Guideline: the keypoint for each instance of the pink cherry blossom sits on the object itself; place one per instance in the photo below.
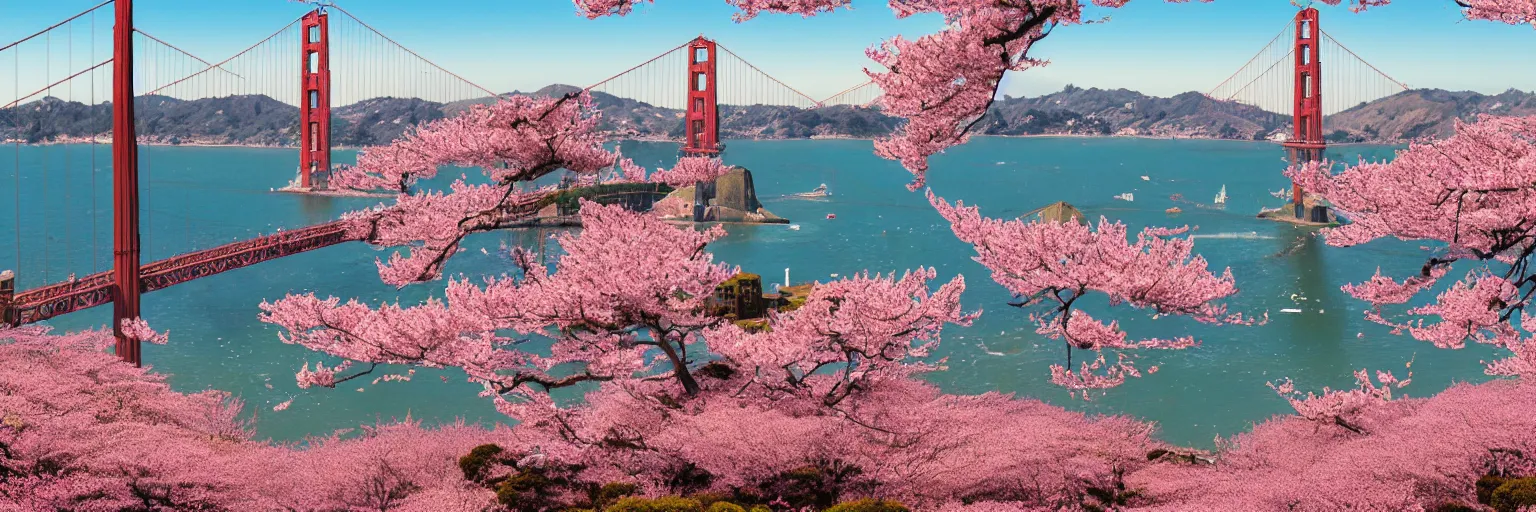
(690, 170)
(1050, 265)
(138, 329)
(1471, 192)
(748, 9)
(1514, 12)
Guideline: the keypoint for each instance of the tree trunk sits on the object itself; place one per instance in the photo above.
(678, 368)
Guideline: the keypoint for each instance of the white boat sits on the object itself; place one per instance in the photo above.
(820, 191)
(794, 227)
(1126, 197)
(1221, 197)
(1146, 178)
(1283, 193)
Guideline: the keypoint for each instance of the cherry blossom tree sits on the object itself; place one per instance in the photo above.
(625, 311)
(518, 139)
(82, 430)
(1472, 195)
(1050, 265)
(1514, 12)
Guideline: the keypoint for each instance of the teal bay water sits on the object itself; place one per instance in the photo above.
(200, 197)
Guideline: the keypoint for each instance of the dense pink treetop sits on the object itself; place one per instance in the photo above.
(623, 274)
(1050, 265)
(690, 170)
(1472, 194)
(1514, 12)
(1375, 454)
(849, 333)
(82, 430)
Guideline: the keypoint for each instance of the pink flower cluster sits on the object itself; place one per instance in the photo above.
(1473, 193)
(1049, 265)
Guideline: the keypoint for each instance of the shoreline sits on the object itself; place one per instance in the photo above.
(724, 140)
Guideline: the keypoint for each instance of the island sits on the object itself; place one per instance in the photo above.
(731, 198)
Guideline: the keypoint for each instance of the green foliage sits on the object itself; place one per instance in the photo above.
(724, 506)
(1486, 485)
(869, 505)
(819, 485)
(612, 492)
(1514, 495)
(539, 488)
(754, 325)
(740, 277)
(520, 491)
(662, 504)
(478, 461)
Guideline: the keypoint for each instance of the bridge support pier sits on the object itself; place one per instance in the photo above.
(315, 103)
(8, 297)
(125, 187)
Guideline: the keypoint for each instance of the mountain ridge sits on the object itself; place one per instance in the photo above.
(262, 121)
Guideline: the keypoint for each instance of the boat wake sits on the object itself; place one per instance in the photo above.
(1251, 235)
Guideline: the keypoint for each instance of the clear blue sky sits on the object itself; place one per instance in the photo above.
(1150, 46)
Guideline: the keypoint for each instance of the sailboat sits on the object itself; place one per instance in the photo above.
(1221, 197)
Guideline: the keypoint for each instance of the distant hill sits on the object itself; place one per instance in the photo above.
(1080, 111)
(1422, 112)
(263, 121)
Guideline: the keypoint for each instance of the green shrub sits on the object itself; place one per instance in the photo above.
(724, 506)
(479, 459)
(869, 505)
(612, 492)
(662, 504)
(1486, 485)
(760, 508)
(706, 499)
(1514, 494)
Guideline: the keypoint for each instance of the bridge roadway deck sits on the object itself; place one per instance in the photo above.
(97, 289)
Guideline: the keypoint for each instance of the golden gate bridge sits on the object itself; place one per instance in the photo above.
(330, 65)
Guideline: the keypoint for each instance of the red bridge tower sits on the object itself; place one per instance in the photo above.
(703, 120)
(315, 103)
(1306, 144)
(125, 187)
